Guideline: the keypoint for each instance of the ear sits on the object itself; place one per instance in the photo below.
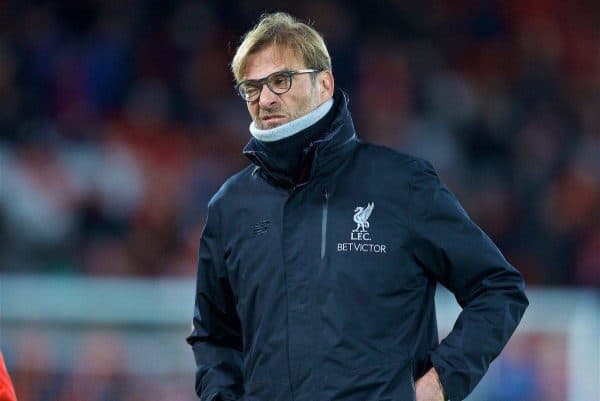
(326, 83)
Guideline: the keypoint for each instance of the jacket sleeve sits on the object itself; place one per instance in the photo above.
(216, 332)
(457, 253)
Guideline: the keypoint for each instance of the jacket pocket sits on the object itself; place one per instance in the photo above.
(385, 381)
(272, 390)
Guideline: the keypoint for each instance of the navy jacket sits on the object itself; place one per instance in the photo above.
(324, 291)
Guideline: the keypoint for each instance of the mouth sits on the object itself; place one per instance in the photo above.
(273, 118)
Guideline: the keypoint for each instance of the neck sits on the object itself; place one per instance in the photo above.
(292, 127)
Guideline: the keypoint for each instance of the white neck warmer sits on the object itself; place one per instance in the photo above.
(292, 127)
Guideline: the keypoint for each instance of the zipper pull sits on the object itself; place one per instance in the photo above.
(325, 193)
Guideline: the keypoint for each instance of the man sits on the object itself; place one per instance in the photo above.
(318, 262)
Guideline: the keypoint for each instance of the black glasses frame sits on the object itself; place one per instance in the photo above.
(260, 83)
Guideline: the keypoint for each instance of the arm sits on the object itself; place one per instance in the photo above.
(216, 337)
(450, 246)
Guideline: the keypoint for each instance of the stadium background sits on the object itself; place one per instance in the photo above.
(118, 121)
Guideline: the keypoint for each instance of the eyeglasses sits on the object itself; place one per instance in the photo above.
(278, 82)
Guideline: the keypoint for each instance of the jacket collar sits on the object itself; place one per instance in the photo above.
(321, 156)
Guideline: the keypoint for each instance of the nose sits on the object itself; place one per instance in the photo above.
(267, 97)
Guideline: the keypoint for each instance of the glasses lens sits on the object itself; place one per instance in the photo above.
(280, 82)
(248, 91)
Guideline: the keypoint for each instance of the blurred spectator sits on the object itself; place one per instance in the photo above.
(7, 392)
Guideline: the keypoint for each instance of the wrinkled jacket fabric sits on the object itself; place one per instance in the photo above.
(301, 297)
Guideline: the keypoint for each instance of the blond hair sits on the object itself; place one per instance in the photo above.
(286, 32)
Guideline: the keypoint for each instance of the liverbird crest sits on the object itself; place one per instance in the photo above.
(361, 217)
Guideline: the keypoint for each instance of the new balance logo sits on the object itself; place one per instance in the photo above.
(260, 228)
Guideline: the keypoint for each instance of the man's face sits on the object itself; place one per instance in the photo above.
(271, 110)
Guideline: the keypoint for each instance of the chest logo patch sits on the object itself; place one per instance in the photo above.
(260, 228)
(360, 238)
(361, 218)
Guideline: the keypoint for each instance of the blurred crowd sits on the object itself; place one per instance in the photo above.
(118, 121)
(534, 367)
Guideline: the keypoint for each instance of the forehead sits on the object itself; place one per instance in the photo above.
(269, 59)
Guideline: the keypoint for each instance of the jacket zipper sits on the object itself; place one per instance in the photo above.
(324, 222)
